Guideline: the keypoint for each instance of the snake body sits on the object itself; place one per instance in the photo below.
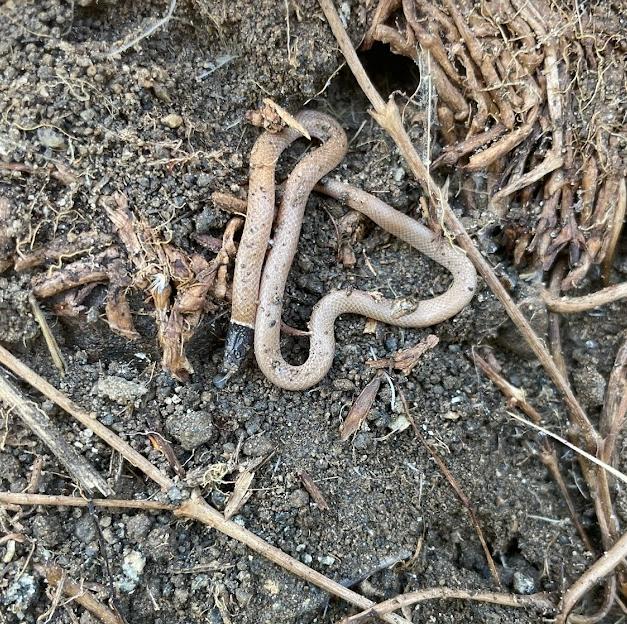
(258, 287)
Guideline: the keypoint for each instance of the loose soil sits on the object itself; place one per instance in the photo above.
(63, 102)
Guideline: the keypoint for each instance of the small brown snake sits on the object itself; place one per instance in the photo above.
(258, 287)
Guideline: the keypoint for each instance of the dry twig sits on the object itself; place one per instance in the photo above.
(573, 305)
(600, 569)
(540, 602)
(57, 577)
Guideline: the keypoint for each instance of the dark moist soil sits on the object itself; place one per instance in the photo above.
(62, 101)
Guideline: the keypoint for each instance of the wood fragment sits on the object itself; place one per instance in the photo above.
(118, 311)
(75, 274)
(453, 152)
(505, 144)
(165, 448)
(241, 493)
(41, 425)
(314, 490)
(58, 577)
(615, 228)
(63, 248)
(406, 360)
(360, 408)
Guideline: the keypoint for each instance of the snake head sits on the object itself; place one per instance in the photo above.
(239, 340)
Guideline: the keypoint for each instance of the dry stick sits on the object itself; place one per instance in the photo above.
(19, 498)
(537, 601)
(456, 487)
(572, 305)
(196, 508)
(548, 456)
(555, 337)
(610, 425)
(55, 575)
(41, 425)
(616, 227)
(609, 598)
(615, 404)
(601, 568)
(130, 454)
(388, 117)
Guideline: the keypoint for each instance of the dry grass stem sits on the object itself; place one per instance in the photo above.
(51, 342)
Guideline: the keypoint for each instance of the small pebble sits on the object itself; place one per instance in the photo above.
(119, 389)
(49, 138)
(257, 446)
(298, 498)
(523, 584)
(172, 120)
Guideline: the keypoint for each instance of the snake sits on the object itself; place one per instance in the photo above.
(260, 274)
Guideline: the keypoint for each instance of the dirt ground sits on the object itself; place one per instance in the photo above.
(112, 122)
